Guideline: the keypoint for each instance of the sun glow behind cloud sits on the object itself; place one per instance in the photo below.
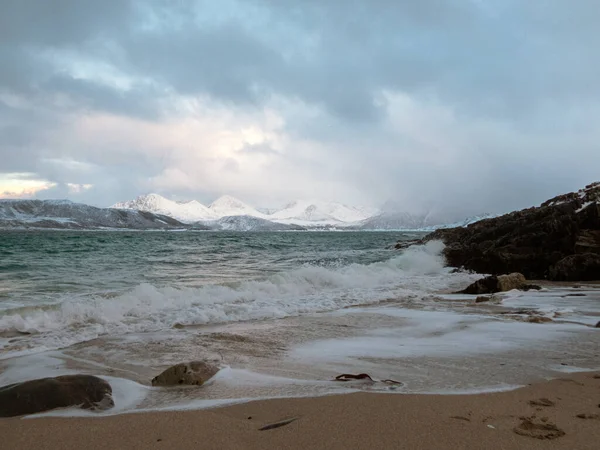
(22, 185)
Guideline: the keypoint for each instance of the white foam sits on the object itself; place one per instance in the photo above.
(431, 334)
(309, 289)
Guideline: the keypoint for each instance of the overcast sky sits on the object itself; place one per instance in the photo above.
(468, 105)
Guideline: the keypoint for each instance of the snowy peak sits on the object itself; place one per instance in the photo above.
(300, 212)
(320, 211)
(227, 205)
(186, 212)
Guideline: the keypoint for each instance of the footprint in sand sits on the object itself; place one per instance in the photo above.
(588, 416)
(541, 402)
(538, 430)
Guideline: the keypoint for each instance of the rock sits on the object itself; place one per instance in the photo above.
(588, 241)
(532, 241)
(35, 396)
(511, 281)
(597, 325)
(401, 245)
(192, 373)
(584, 266)
(538, 319)
(492, 284)
(482, 299)
(529, 287)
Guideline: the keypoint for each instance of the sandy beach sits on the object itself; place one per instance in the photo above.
(563, 413)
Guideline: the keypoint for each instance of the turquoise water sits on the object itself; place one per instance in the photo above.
(44, 266)
(64, 287)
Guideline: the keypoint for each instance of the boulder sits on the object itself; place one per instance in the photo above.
(191, 373)
(35, 396)
(492, 284)
(580, 267)
(511, 281)
(532, 241)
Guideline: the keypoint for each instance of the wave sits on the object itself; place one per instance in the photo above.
(308, 289)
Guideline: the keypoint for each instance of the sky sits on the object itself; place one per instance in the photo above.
(464, 106)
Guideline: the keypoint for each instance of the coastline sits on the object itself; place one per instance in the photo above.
(532, 417)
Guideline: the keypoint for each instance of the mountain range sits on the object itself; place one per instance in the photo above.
(300, 213)
(68, 215)
(154, 211)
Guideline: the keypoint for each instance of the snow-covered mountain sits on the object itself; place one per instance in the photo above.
(230, 213)
(226, 206)
(66, 214)
(187, 212)
(417, 222)
(301, 212)
(304, 212)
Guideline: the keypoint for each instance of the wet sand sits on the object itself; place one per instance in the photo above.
(560, 414)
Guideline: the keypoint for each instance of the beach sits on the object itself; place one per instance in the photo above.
(280, 316)
(541, 416)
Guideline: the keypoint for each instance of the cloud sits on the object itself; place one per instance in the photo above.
(22, 185)
(460, 106)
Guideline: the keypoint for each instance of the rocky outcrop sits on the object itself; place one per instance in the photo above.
(559, 240)
(35, 396)
(577, 267)
(192, 373)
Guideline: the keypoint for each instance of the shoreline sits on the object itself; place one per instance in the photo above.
(541, 415)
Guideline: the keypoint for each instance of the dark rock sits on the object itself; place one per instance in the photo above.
(482, 299)
(597, 325)
(192, 373)
(532, 241)
(538, 319)
(584, 266)
(529, 287)
(35, 396)
(502, 283)
(401, 245)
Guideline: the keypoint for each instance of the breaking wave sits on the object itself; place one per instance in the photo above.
(308, 289)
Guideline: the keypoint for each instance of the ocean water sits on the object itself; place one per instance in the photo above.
(282, 313)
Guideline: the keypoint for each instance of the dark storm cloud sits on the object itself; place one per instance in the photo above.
(61, 22)
(500, 92)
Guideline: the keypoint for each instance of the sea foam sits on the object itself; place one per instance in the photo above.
(308, 289)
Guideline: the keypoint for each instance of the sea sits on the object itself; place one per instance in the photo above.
(282, 313)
